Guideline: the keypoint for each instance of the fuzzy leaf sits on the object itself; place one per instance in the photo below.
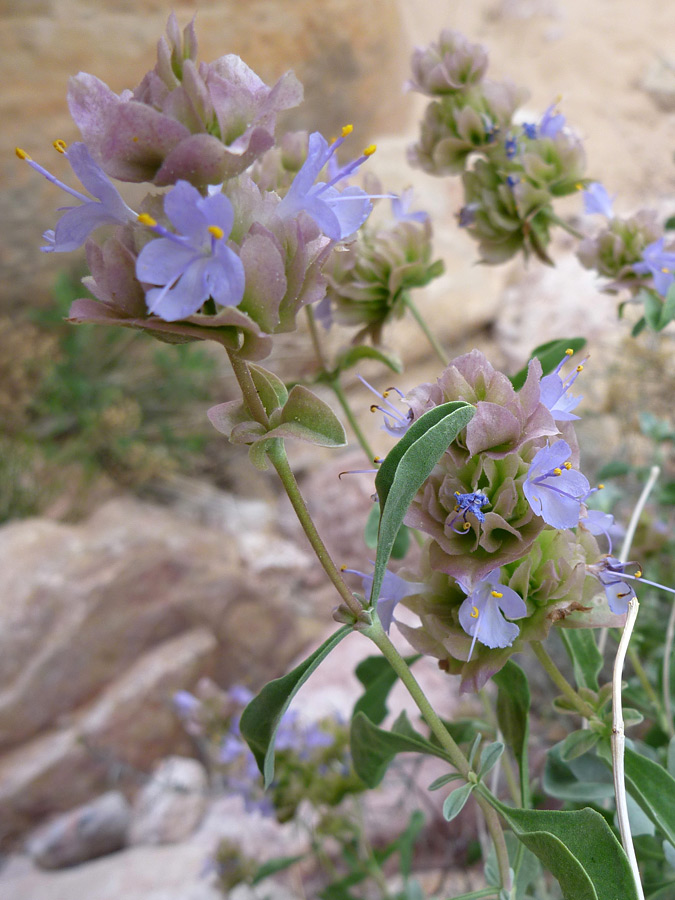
(653, 788)
(578, 743)
(489, 756)
(272, 866)
(513, 715)
(401, 542)
(579, 849)
(261, 718)
(351, 357)
(586, 658)
(377, 676)
(454, 802)
(271, 389)
(407, 466)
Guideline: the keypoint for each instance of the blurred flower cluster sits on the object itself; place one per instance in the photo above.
(234, 248)
(512, 170)
(312, 758)
(509, 533)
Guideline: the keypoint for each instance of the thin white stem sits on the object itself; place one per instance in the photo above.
(618, 734)
(667, 654)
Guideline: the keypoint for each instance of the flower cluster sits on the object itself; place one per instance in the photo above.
(511, 546)
(226, 253)
(312, 759)
(511, 171)
(369, 282)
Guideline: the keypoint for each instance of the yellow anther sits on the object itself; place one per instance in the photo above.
(466, 526)
(385, 394)
(456, 509)
(625, 594)
(580, 368)
(377, 460)
(579, 186)
(569, 352)
(145, 219)
(347, 129)
(373, 407)
(557, 471)
(601, 487)
(217, 232)
(59, 145)
(496, 594)
(638, 574)
(370, 149)
(457, 494)
(22, 153)
(568, 466)
(342, 568)
(135, 140)
(474, 612)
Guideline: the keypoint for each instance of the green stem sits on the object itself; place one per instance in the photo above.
(377, 635)
(643, 678)
(316, 340)
(278, 458)
(570, 229)
(438, 350)
(248, 390)
(563, 685)
(336, 387)
(478, 895)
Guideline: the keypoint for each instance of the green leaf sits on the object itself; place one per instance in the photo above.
(577, 743)
(489, 756)
(261, 718)
(667, 493)
(401, 542)
(270, 388)
(272, 866)
(639, 327)
(306, 417)
(407, 465)
(443, 780)
(614, 469)
(549, 355)
(354, 355)
(374, 748)
(668, 310)
(406, 842)
(651, 303)
(579, 849)
(513, 716)
(581, 780)
(454, 802)
(586, 658)
(377, 676)
(653, 788)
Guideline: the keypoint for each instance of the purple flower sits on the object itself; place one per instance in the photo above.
(78, 222)
(553, 390)
(395, 422)
(551, 122)
(194, 264)
(337, 213)
(659, 263)
(553, 489)
(185, 703)
(480, 615)
(240, 695)
(393, 590)
(468, 503)
(597, 200)
(609, 572)
(400, 207)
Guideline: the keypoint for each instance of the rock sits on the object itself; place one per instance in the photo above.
(119, 735)
(79, 604)
(659, 83)
(92, 830)
(171, 805)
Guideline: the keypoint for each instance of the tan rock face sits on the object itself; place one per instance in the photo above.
(350, 56)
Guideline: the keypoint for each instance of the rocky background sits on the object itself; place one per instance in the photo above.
(110, 604)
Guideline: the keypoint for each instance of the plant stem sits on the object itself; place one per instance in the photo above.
(618, 734)
(278, 458)
(316, 340)
(336, 387)
(478, 895)
(438, 350)
(376, 633)
(570, 229)
(248, 390)
(563, 685)
(667, 654)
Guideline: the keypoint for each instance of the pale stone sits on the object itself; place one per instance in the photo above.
(171, 805)
(83, 833)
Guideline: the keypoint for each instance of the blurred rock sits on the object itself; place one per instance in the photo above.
(92, 830)
(171, 805)
(659, 83)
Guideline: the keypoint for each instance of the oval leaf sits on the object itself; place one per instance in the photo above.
(513, 716)
(653, 788)
(407, 465)
(270, 388)
(261, 718)
(578, 848)
(309, 418)
(586, 658)
(454, 802)
(354, 355)
(489, 756)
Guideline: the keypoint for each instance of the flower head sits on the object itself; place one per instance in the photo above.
(481, 615)
(78, 222)
(473, 503)
(597, 200)
(553, 489)
(194, 263)
(337, 213)
(658, 263)
(553, 391)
